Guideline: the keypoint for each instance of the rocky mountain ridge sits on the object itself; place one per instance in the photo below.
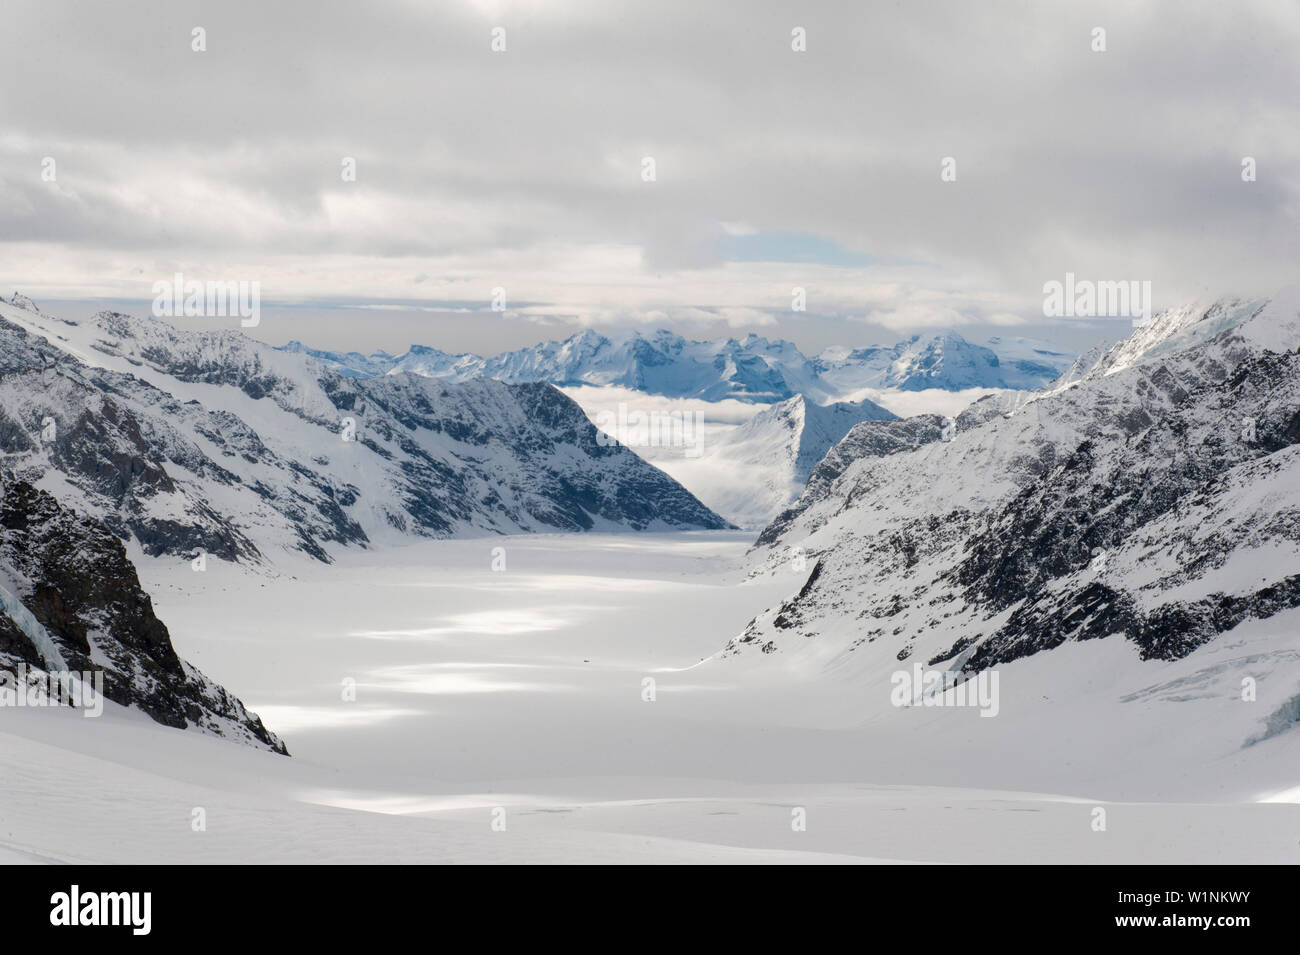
(1150, 497)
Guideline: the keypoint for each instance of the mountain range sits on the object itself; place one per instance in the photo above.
(189, 441)
(1145, 492)
(1149, 496)
(752, 369)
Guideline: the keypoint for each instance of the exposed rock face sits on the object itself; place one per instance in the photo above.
(74, 577)
(215, 442)
(1176, 475)
(1151, 496)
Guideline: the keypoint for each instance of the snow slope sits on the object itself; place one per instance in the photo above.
(770, 457)
(744, 461)
(531, 704)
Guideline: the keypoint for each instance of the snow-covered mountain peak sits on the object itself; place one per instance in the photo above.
(776, 450)
(1275, 326)
(19, 300)
(1176, 329)
(348, 364)
(213, 441)
(944, 360)
(752, 368)
(1152, 500)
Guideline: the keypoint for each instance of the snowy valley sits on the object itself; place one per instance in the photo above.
(464, 613)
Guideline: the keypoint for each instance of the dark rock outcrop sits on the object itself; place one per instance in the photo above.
(74, 577)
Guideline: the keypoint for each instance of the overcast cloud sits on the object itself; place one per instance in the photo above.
(522, 169)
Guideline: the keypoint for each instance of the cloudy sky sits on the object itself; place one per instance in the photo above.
(523, 169)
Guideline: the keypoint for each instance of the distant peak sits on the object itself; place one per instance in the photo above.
(20, 300)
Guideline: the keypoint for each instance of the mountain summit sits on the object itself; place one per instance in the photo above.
(214, 442)
(1149, 497)
(751, 369)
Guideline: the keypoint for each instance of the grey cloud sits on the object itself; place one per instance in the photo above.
(1120, 162)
